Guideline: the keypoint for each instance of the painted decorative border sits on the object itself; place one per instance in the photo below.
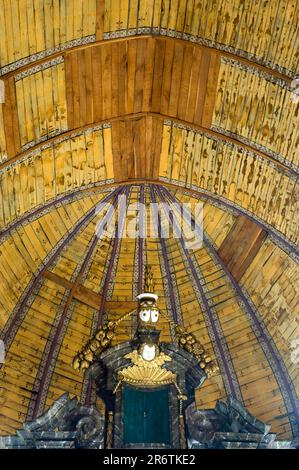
(48, 52)
(39, 68)
(169, 280)
(256, 71)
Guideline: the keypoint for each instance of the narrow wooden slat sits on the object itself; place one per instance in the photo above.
(10, 118)
(158, 74)
(100, 15)
(202, 86)
(97, 86)
(116, 151)
(89, 86)
(211, 91)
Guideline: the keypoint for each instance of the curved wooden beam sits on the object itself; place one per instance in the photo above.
(32, 152)
(230, 55)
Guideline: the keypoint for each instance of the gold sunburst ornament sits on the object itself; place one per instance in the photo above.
(146, 373)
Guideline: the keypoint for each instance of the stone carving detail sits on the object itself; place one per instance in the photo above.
(67, 424)
(228, 425)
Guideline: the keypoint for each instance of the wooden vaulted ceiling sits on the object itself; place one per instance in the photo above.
(190, 100)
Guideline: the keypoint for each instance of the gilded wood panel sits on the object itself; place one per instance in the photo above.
(196, 160)
(258, 112)
(263, 31)
(63, 165)
(41, 103)
(38, 28)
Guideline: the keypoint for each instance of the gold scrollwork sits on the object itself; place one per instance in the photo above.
(97, 344)
(188, 342)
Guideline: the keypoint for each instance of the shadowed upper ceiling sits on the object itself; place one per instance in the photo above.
(162, 101)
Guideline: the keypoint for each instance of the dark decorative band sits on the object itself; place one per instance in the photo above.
(167, 273)
(256, 71)
(39, 68)
(43, 54)
(87, 388)
(116, 251)
(140, 254)
(41, 385)
(56, 336)
(210, 315)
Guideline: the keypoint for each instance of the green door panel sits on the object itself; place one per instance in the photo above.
(146, 415)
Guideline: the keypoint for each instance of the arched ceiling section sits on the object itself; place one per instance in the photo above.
(254, 30)
(64, 305)
(157, 100)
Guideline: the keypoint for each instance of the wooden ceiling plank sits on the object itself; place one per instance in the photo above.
(202, 86)
(76, 89)
(167, 76)
(97, 86)
(131, 65)
(100, 15)
(69, 90)
(82, 69)
(185, 81)
(240, 247)
(122, 78)
(89, 86)
(211, 90)
(139, 76)
(193, 84)
(148, 74)
(176, 76)
(10, 118)
(115, 84)
(106, 81)
(158, 74)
